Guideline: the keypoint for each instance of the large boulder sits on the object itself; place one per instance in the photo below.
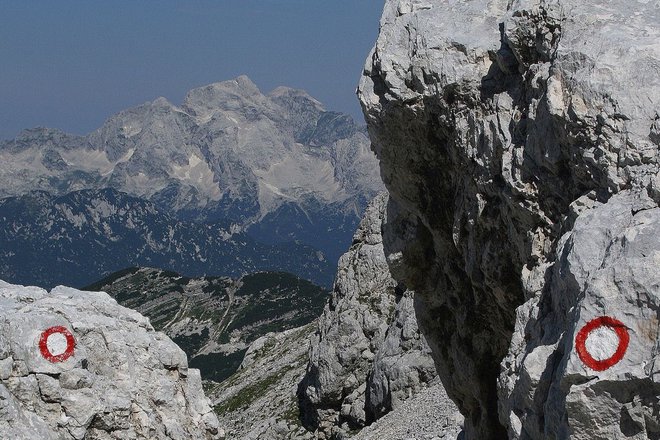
(519, 143)
(76, 365)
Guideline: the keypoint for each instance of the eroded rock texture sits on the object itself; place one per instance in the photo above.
(367, 356)
(519, 143)
(115, 378)
(607, 265)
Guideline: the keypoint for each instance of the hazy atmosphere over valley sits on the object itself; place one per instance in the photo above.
(306, 220)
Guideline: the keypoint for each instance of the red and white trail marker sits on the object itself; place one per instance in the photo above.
(602, 343)
(57, 344)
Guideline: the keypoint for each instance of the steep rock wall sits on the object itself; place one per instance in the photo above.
(367, 356)
(504, 130)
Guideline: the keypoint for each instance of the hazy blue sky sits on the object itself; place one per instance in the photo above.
(71, 64)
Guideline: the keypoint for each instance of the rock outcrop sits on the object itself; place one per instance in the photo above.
(76, 365)
(552, 384)
(367, 356)
(519, 143)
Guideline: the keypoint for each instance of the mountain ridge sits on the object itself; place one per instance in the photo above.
(214, 123)
(276, 166)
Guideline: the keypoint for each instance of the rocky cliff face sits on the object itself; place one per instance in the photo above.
(76, 365)
(367, 356)
(519, 143)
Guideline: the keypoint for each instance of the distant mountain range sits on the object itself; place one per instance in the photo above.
(77, 238)
(230, 181)
(278, 165)
(214, 319)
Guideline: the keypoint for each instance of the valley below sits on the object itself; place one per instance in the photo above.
(215, 319)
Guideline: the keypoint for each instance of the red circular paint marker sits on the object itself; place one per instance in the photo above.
(61, 353)
(606, 322)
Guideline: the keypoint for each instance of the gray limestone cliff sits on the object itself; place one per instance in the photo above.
(367, 356)
(518, 140)
(75, 365)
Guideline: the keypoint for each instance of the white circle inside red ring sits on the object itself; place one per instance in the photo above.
(591, 339)
(602, 343)
(57, 344)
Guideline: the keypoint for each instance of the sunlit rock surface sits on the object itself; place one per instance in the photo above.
(75, 365)
(519, 143)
